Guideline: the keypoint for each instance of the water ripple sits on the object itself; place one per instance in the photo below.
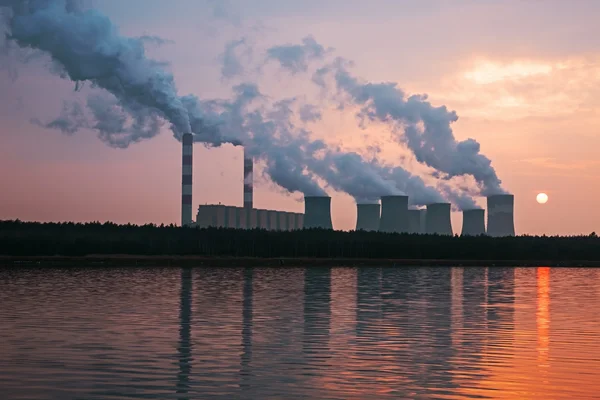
(294, 333)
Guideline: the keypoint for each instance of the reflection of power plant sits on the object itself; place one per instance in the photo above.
(184, 347)
(412, 330)
(247, 321)
(317, 316)
(392, 216)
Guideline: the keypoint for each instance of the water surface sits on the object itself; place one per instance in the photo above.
(320, 333)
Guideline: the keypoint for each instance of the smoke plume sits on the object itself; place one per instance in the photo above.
(85, 46)
(138, 95)
(296, 57)
(425, 129)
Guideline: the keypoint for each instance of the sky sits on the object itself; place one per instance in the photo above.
(522, 76)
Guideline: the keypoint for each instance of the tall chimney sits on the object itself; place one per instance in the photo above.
(186, 179)
(473, 222)
(501, 215)
(248, 181)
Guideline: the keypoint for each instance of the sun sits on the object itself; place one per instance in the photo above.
(542, 198)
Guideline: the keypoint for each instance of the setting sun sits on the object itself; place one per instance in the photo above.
(542, 198)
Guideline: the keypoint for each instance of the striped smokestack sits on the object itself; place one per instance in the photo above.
(248, 181)
(186, 179)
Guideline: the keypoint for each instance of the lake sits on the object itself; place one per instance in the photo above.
(299, 333)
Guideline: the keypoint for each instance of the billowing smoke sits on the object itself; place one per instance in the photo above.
(296, 57)
(294, 160)
(139, 95)
(85, 46)
(425, 129)
(116, 126)
(230, 59)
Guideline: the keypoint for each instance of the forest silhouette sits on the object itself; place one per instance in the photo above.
(76, 239)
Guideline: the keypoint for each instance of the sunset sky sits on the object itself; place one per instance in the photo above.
(523, 77)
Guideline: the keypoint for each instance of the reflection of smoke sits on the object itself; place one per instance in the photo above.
(185, 346)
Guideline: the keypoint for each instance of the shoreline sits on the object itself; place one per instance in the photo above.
(116, 260)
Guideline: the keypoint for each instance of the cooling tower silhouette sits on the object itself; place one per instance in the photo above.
(317, 212)
(394, 214)
(501, 215)
(438, 219)
(473, 223)
(367, 217)
(414, 221)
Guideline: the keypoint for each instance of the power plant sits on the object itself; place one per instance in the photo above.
(501, 215)
(392, 215)
(437, 220)
(367, 217)
(473, 222)
(317, 212)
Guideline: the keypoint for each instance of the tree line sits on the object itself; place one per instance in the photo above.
(76, 239)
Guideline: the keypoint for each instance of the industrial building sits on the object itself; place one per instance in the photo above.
(501, 215)
(437, 220)
(367, 217)
(222, 216)
(414, 221)
(473, 222)
(317, 212)
(392, 216)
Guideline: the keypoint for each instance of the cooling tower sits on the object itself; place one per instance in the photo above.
(473, 223)
(438, 219)
(367, 217)
(186, 179)
(248, 181)
(317, 212)
(423, 220)
(394, 214)
(501, 215)
(414, 221)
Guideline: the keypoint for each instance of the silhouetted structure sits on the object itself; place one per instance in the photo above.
(501, 215)
(69, 239)
(394, 214)
(473, 222)
(317, 212)
(367, 217)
